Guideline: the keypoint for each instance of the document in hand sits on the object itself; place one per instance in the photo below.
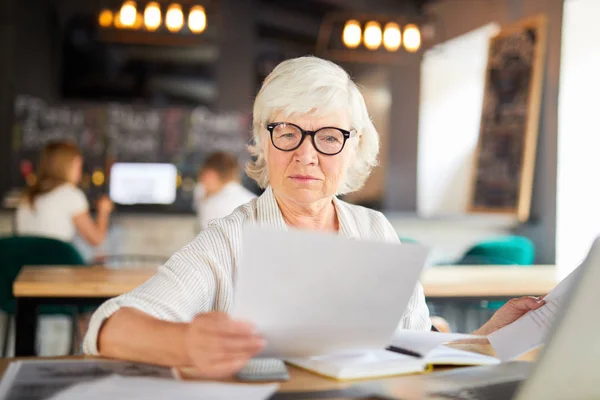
(531, 329)
(312, 294)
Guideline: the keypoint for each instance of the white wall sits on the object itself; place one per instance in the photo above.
(452, 86)
(578, 186)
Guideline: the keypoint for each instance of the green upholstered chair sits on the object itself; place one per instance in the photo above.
(18, 251)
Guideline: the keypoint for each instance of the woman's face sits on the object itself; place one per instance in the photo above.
(304, 175)
(74, 174)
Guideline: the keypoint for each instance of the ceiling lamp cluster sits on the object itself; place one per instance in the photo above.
(152, 18)
(372, 37)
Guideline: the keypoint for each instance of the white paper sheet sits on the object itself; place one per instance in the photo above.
(531, 330)
(117, 387)
(313, 293)
(423, 342)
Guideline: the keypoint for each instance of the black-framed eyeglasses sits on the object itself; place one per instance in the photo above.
(328, 140)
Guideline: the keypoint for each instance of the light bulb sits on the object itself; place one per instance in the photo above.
(372, 35)
(174, 18)
(412, 38)
(197, 19)
(392, 38)
(351, 34)
(105, 19)
(128, 14)
(152, 16)
(98, 178)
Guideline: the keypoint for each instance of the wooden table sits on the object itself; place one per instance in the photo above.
(487, 281)
(62, 285)
(36, 286)
(314, 386)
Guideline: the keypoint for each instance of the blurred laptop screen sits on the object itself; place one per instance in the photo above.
(143, 183)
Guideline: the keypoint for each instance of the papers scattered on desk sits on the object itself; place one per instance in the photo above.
(41, 379)
(313, 293)
(118, 387)
(531, 330)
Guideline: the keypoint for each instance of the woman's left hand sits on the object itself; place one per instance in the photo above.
(510, 312)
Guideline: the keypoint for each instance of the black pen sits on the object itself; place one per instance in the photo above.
(404, 351)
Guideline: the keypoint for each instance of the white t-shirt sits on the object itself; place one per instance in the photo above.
(52, 214)
(223, 203)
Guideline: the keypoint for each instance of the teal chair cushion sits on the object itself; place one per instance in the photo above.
(507, 250)
(18, 251)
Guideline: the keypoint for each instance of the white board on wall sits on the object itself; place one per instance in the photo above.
(578, 188)
(452, 86)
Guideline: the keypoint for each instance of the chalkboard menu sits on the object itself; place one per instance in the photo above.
(505, 156)
(108, 133)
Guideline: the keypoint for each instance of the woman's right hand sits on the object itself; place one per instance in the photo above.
(104, 205)
(218, 346)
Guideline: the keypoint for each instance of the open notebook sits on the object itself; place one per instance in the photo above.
(380, 363)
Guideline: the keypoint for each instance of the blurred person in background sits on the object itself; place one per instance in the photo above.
(219, 190)
(54, 206)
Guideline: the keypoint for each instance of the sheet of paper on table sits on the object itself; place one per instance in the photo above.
(124, 388)
(40, 379)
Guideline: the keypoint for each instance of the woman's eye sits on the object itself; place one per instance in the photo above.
(330, 139)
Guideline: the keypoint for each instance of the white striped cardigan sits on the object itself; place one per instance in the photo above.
(198, 278)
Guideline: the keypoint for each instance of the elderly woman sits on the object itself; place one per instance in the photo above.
(313, 140)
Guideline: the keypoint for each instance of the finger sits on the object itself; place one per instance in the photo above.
(217, 348)
(234, 356)
(252, 345)
(527, 303)
(226, 326)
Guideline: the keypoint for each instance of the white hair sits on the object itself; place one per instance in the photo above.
(311, 85)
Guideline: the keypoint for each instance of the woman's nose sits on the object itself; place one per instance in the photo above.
(306, 153)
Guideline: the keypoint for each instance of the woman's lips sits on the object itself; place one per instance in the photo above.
(303, 178)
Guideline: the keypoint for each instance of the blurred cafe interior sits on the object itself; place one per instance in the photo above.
(484, 108)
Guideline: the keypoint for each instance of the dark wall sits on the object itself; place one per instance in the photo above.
(37, 50)
(7, 27)
(7, 42)
(29, 53)
(236, 74)
(401, 179)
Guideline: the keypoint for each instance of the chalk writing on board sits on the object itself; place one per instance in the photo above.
(113, 132)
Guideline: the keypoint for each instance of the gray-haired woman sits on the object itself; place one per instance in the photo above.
(313, 140)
